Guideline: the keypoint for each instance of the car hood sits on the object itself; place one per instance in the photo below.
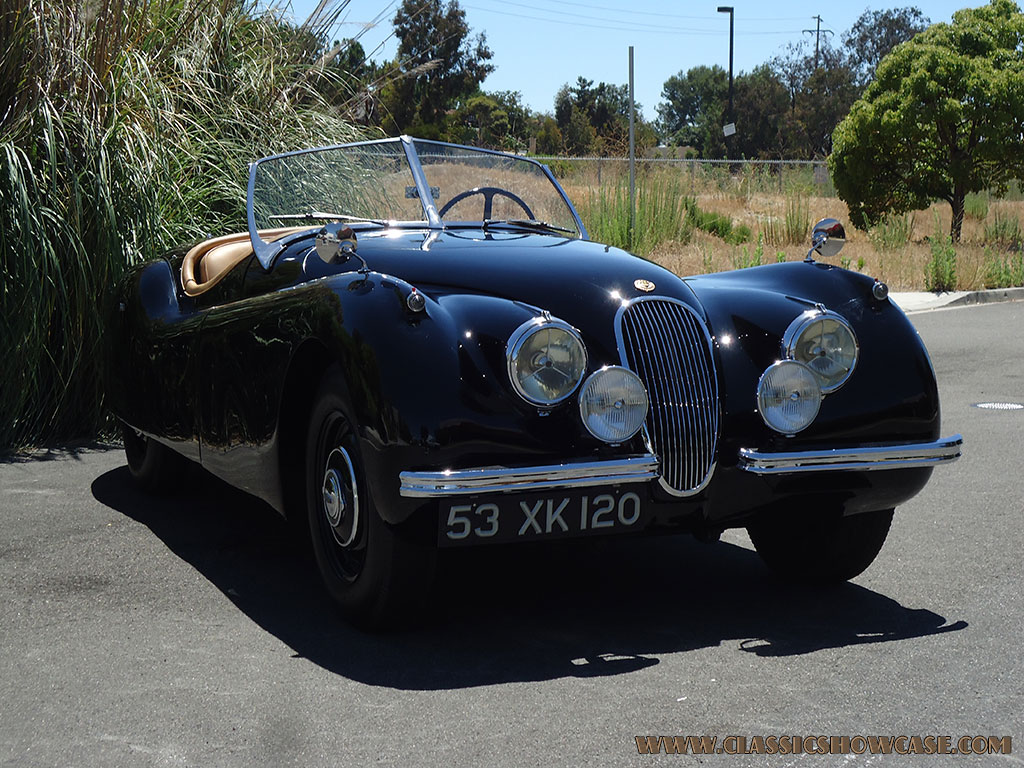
(561, 275)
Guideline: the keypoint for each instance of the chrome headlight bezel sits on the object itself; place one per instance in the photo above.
(517, 341)
(585, 413)
(791, 341)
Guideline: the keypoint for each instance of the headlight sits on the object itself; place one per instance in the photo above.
(788, 396)
(546, 361)
(613, 404)
(824, 341)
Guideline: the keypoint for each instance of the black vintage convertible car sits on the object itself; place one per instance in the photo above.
(415, 345)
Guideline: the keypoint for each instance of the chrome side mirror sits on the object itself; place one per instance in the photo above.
(335, 243)
(827, 239)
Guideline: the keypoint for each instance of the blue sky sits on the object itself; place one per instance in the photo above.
(539, 45)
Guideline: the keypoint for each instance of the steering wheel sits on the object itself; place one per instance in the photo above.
(489, 194)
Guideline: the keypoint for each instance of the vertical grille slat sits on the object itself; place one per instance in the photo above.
(671, 417)
(685, 417)
(697, 405)
(683, 404)
(668, 347)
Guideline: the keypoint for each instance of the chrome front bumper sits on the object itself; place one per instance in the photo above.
(463, 482)
(858, 459)
(639, 469)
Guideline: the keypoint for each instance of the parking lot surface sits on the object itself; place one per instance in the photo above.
(190, 631)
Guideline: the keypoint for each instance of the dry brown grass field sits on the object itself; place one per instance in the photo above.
(902, 268)
(760, 199)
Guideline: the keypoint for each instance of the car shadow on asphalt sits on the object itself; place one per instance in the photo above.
(515, 613)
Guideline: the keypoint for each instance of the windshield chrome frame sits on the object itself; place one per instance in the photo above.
(266, 252)
(422, 187)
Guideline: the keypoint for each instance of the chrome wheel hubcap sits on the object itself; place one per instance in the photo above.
(334, 501)
(340, 497)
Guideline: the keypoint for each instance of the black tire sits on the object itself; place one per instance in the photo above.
(155, 467)
(376, 575)
(818, 547)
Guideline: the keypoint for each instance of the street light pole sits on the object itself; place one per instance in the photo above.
(729, 9)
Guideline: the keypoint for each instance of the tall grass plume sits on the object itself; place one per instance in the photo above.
(127, 130)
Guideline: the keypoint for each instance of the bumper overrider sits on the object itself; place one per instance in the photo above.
(638, 469)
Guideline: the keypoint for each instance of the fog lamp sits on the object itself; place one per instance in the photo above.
(788, 396)
(613, 404)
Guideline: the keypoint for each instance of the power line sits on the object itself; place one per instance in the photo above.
(634, 12)
(618, 24)
(619, 19)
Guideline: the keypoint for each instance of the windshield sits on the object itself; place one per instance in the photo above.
(380, 183)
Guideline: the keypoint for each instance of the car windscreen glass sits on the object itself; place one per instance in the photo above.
(364, 181)
(473, 186)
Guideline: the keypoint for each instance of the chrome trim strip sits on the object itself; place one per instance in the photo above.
(463, 482)
(860, 459)
(422, 185)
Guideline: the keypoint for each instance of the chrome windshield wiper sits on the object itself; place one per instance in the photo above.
(528, 224)
(332, 216)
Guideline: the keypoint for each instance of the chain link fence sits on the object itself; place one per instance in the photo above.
(699, 177)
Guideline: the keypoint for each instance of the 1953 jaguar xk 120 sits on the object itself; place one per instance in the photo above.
(416, 346)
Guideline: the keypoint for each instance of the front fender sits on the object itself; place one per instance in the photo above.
(431, 392)
(890, 398)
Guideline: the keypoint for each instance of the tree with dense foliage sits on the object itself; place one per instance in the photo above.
(875, 33)
(479, 121)
(944, 117)
(549, 137)
(693, 107)
(595, 119)
(823, 87)
(442, 62)
(766, 124)
(520, 118)
(579, 135)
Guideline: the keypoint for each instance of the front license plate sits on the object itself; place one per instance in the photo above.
(532, 518)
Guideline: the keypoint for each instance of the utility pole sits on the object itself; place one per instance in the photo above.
(730, 128)
(632, 153)
(817, 37)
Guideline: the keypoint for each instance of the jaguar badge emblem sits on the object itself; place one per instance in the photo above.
(643, 285)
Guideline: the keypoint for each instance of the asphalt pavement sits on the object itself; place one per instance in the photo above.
(188, 631)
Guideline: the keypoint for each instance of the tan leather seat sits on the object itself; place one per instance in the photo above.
(208, 263)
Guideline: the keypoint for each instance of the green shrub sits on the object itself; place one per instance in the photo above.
(744, 259)
(892, 232)
(1004, 230)
(976, 206)
(716, 224)
(1005, 271)
(561, 167)
(940, 271)
(739, 234)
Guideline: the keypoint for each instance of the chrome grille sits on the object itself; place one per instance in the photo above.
(667, 345)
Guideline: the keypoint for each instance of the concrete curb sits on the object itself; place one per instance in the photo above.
(988, 297)
(923, 302)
